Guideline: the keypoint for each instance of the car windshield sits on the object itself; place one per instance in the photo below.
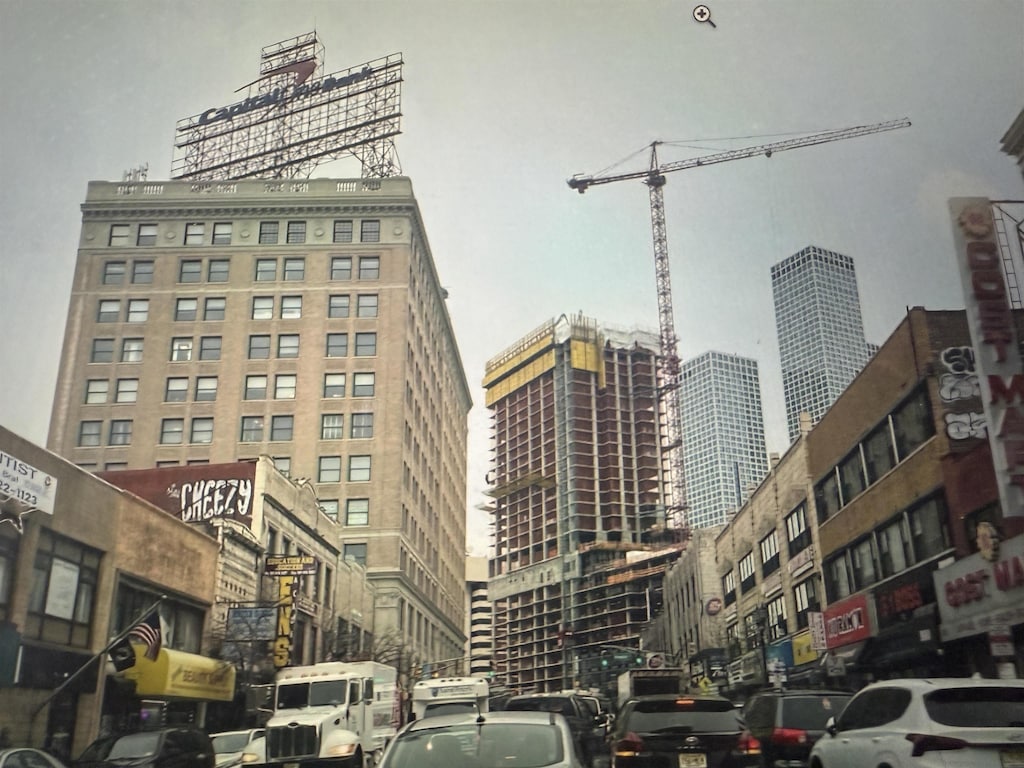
(810, 713)
(510, 745)
(681, 715)
(135, 745)
(298, 695)
(450, 708)
(230, 742)
(977, 707)
(541, 704)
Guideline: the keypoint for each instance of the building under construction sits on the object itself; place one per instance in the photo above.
(578, 477)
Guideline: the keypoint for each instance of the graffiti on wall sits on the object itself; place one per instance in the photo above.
(204, 499)
(957, 383)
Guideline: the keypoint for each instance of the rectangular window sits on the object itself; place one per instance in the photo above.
(777, 625)
(283, 464)
(266, 270)
(89, 433)
(356, 553)
(343, 230)
(119, 234)
(291, 307)
(217, 270)
(826, 496)
(206, 388)
(121, 432)
(769, 554)
(747, 572)
(131, 350)
(337, 344)
(109, 311)
(102, 351)
(862, 557)
(341, 268)
(113, 272)
(62, 593)
(176, 390)
(295, 269)
(797, 532)
(195, 234)
(186, 309)
(288, 345)
(337, 306)
(262, 307)
(181, 349)
(284, 386)
(96, 391)
(366, 344)
(837, 577)
(190, 271)
(127, 391)
(147, 234)
(259, 347)
(357, 512)
(172, 432)
(332, 426)
(296, 232)
(209, 347)
(929, 531)
(912, 424)
(894, 555)
(358, 469)
(369, 267)
(334, 385)
(268, 232)
(851, 476)
(878, 453)
(363, 385)
(142, 272)
(362, 425)
(281, 427)
(330, 508)
(252, 429)
(805, 597)
(138, 310)
(369, 231)
(366, 305)
(214, 308)
(222, 233)
(256, 387)
(202, 431)
(329, 469)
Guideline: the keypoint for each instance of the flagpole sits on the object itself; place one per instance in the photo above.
(121, 636)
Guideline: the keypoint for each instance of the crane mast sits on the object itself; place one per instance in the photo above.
(654, 178)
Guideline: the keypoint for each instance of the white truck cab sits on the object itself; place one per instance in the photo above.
(335, 712)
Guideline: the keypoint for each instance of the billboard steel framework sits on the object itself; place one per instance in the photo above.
(294, 118)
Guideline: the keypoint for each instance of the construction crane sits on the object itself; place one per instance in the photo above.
(654, 178)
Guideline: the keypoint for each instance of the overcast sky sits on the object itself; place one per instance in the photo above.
(502, 102)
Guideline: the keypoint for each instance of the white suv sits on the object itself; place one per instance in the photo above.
(929, 723)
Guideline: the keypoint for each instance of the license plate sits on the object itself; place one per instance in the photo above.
(291, 765)
(693, 761)
(1012, 758)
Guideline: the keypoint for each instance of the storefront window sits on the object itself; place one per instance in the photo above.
(928, 530)
(63, 588)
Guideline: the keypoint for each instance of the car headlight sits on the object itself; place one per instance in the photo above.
(249, 757)
(341, 750)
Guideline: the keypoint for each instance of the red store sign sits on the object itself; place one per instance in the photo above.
(847, 622)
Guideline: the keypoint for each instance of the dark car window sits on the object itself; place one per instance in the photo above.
(681, 715)
(983, 707)
(873, 708)
(760, 712)
(542, 704)
(135, 745)
(810, 713)
(510, 745)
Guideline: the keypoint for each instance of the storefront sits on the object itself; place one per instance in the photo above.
(907, 641)
(806, 670)
(847, 630)
(981, 610)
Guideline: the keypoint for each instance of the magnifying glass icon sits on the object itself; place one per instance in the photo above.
(703, 14)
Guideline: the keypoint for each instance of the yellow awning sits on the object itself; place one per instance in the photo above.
(176, 674)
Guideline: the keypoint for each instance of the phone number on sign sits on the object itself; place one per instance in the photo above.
(19, 493)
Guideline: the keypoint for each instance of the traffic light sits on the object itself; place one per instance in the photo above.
(640, 660)
(604, 659)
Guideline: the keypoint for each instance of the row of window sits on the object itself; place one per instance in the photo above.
(184, 349)
(221, 233)
(218, 270)
(892, 440)
(215, 307)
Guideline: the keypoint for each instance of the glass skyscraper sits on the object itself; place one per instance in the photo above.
(723, 435)
(820, 329)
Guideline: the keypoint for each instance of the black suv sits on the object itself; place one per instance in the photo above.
(788, 722)
(181, 747)
(587, 726)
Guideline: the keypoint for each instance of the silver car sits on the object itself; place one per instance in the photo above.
(506, 739)
(927, 723)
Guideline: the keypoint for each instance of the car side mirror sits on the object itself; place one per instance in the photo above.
(830, 726)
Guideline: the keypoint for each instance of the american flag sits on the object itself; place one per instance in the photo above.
(148, 633)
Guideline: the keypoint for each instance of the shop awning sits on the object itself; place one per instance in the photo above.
(180, 675)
